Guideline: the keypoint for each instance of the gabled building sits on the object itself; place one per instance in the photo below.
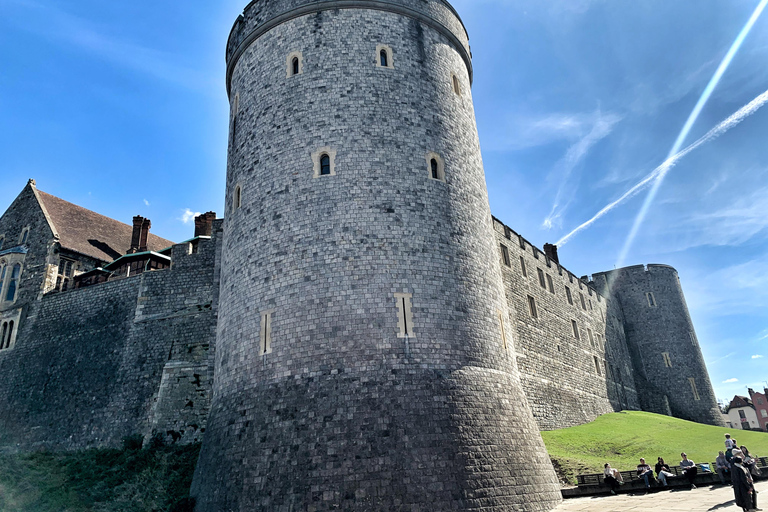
(742, 415)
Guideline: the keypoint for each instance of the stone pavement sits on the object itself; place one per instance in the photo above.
(704, 499)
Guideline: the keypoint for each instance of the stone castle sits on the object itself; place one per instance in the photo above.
(358, 332)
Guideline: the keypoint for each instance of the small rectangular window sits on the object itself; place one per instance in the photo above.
(693, 389)
(763, 413)
(505, 255)
(597, 365)
(667, 360)
(503, 330)
(568, 294)
(404, 315)
(590, 305)
(522, 267)
(551, 284)
(532, 307)
(542, 283)
(575, 327)
(651, 300)
(266, 332)
(591, 338)
(742, 414)
(583, 303)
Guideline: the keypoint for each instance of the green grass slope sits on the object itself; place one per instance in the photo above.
(622, 438)
(128, 480)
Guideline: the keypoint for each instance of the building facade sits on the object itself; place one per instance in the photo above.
(358, 332)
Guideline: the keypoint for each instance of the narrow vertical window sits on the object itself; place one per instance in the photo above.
(404, 315)
(532, 307)
(456, 85)
(575, 328)
(667, 360)
(2, 241)
(64, 274)
(383, 58)
(569, 296)
(13, 283)
(24, 236)
(542, 282)
(551, 284)
(583, 303)
(3, 268)
(597, 365)
(294, 64)
(591, 338)
(10, 334)
(237, 199)
(505, 255)
(693, 389)
(651, 300)
(2, 337)
(436, 167)
(266, 332)
(522, 267)
(503, 330)
(325, 165)
(590, 305)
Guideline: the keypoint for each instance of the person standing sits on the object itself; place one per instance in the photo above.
(613, 478)
(663, 472)
(689, 469)
(730, 444)
(743, 487)
(723, 467)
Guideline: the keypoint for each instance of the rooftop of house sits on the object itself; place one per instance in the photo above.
(90, 233)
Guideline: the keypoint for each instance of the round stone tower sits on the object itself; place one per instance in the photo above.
(364, 355)
(664, 346)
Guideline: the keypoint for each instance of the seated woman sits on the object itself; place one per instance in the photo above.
(663, 472)
(749, 462)
(613, 478)
(689, 469)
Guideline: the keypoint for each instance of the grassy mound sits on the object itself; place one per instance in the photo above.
(622, 438)
(127, 480)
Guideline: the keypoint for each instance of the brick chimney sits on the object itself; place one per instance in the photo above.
(140, 234)
(204, 224)
(551, 252)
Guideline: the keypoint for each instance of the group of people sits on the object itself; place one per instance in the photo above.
(735, 462)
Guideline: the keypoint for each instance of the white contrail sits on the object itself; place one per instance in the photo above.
(669, 163)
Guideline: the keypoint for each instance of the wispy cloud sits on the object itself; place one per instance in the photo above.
(61, 26)
(146, 202)
(188, 216)
(730, 381)
(602, 126)
(757, 357)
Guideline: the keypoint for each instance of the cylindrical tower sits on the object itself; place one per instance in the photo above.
(364, 356)
(660, 333)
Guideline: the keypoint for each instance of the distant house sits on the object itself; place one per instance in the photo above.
(742, 414)
(760, 403)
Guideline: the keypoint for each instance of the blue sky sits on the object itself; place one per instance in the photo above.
(120, 107)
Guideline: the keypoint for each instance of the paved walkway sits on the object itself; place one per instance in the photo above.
(703, 499)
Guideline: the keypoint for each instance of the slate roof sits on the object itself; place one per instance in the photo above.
(90, 233)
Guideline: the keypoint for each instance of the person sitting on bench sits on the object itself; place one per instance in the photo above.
(689, 469)
(646, 472)
(663, 472)
(723, 468)
(613, 478)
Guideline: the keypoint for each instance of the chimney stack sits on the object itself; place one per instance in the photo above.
(140, 234)
(551, 251)
(204, 224)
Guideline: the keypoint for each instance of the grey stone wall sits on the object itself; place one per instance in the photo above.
(663, 326)
(567, 381)
(343, 414)
(93, 365)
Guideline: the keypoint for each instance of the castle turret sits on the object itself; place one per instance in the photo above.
(364, 355)
(671, 373)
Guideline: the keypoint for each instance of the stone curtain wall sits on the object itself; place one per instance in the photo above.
(559, 374)
(88, 364)
(344, 413)
(660, 327)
